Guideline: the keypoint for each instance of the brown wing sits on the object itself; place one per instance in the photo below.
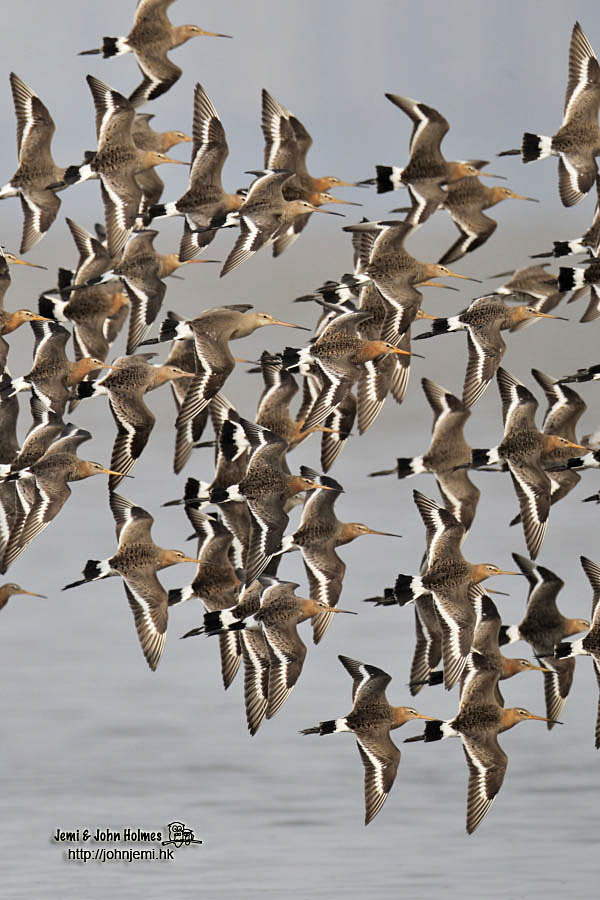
(210, 148)
(148, 602)
(485, 355)
(368, 682)
(583, 85)
(428, 645)
(557, 686)
(487, 764)
(429, 127)
(281, 147)
(35, 126)
(286, 658)
(256, 677)
(380, 758)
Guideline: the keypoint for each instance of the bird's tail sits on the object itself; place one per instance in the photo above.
(407, 466)
(225, 494)
(508, 634)
(111, 46)
(172, 329)
(91, 388)
(564, 650)
(52, 308)
(588, 374)
(441, 326)
(569, 649)
(75, 174)
(571, 278)
(11, 386)
(331, 726)
(180, 595)
(220, 620)
(535, 146)
(195, 494)
(94, 570)
(566, 248)
(389, 178)
(160, 209)
(484, 457)
(435, 730)
(408, 588)
(590, 460)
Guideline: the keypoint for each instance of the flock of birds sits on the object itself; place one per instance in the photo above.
(360, 353)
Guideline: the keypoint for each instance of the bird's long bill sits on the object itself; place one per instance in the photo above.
(464, 277)
(177, 162)
(544, 315)
(576, 446)
(31, 594)
(491, 175)
(13, 260)
(289, 325)
(37, 318)
(345, 202)
(521, 197)
(506, 572)
(336, 609)
(544, 719)
(213, 34)
(420, 716)
(188, 261)
(112, 472)
(487, 590)
(424, 315)
(330, 212)
(542, 669)
(384, 533)
(322, 487)
(189, 559)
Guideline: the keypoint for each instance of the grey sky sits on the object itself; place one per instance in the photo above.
(91, 737)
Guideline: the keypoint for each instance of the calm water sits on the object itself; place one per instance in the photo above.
(91, 738)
